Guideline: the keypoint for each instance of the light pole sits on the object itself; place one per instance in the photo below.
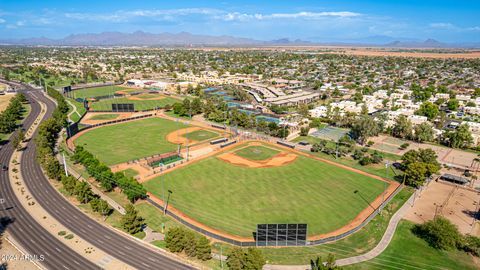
(221, 254)
(385, 184)
(163, 195)
(166, 203)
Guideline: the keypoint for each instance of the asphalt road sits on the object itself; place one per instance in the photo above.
(37, 241)
(111, 242)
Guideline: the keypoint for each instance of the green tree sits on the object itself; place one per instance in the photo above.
(175, 239)
(83, 192)
(363, 128)
(236, 259)
(428, 109)
(461, 137)
(131, 221)
(402, 127)
(329, 264)
(203, 249)
(440, 233)
(254, 259)
(424, 132)
(453, 104)
(190, 242)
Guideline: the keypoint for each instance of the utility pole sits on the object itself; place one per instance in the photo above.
(64, 164)
(163, 196)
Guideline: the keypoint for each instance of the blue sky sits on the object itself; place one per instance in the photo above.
(447, 21)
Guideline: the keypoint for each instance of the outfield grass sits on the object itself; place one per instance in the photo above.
(147, 96)
(140, 105)
(407, 251)
(201, 135)
(255, 152)
(98, 91)
(235, 199)
(131, 140)
(104, 116)
(358, 243)
(130, 172)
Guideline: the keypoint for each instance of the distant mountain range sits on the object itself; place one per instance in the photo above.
(140, 38)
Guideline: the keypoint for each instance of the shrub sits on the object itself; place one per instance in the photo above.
(404, 146)
(440, 233)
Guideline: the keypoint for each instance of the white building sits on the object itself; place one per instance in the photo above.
(320, 111)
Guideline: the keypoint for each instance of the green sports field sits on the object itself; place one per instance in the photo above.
(201, 135)
(140, 105)
(235, 199)
(256, 152)
(131, 140)
(99, 91)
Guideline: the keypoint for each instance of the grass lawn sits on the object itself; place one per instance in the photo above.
(376, 169)
(104, 116)
(98, 91)
(255, 152)
(130, 172)
(234, 199)
(131, 140)
(80, 109)
(140, 105)
(407, 251)
(148, 96)
(154, 217)
(201, 135)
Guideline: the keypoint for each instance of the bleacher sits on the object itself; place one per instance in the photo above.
(217, 141)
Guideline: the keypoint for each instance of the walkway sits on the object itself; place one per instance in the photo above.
(74, 110)
(377, 250)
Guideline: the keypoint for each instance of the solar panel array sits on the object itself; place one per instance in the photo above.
(123, 107)
(281, 235)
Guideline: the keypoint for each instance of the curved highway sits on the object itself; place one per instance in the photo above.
(111, 242)
(38, 242)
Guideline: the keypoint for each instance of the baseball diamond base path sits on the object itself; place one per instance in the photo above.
(363, 215)
(178, 136)
(278, 160)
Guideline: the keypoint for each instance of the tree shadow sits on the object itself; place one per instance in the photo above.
(472, 214)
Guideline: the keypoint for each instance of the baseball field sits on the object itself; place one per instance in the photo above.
(234, 190)
(127, 141)
(100, 91)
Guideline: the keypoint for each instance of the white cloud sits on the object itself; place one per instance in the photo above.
(123, 16)
(442, 25)
(232, 16)
(2, 20)
(452, 27)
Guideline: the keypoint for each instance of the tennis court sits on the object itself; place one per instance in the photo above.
(330, 133)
